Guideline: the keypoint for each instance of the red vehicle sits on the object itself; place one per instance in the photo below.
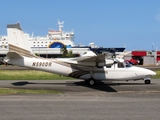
(133, 61)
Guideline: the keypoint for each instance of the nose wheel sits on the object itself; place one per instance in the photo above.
(147, 81)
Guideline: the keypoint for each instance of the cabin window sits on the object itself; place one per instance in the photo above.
(120, 65)
(108, 66)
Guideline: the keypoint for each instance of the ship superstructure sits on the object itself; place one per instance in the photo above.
(54, 39)
(3, 42)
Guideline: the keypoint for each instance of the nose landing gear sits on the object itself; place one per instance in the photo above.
(147, 81)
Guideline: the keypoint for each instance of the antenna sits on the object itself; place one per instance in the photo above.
(60, 24)
(153, 47)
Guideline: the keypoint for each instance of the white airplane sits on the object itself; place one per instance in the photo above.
(89, 67)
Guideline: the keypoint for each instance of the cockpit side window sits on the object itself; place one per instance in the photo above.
(108, 66)
(120, 65)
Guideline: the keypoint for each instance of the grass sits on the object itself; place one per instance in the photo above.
(37, 75)
(29, 75)
(158, 74)
(4, 91)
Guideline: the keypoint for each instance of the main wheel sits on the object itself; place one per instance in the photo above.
(91, 82)
(147, 81)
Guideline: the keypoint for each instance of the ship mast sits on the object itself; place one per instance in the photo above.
(60, 24)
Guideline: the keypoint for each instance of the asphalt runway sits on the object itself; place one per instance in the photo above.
(79, 86)
(131, 100)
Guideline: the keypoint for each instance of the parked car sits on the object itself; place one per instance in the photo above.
(133, 61)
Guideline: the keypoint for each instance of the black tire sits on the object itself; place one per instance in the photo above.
(147, 81)
(86, 81)
(91, 82)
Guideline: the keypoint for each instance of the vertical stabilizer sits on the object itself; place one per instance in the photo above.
(17, 41)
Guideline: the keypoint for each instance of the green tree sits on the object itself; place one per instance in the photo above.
(65, 52)
(37, 54)
(70, 54)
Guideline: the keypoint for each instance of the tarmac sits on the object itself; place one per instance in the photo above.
(131, 100)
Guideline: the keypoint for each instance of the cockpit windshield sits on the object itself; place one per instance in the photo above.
(124, 64)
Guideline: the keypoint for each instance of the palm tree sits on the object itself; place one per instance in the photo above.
(65, 52)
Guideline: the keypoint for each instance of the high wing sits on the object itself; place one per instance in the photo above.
(98, 58)
(90, 61)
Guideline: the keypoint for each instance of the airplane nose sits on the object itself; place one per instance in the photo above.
(152, 73)
(145, 72)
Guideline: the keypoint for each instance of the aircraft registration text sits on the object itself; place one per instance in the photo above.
(41, 64)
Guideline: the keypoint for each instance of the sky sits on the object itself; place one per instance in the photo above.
(108, 23)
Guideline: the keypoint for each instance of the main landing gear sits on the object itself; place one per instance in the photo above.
(91, 82)
(147, 81)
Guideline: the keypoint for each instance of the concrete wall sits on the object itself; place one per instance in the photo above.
(148, 60)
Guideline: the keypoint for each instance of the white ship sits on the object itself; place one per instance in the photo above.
(49, 45)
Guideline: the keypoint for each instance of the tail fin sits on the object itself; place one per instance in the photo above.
(17, 41)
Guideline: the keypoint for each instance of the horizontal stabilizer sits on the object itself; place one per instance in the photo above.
(13, 55)
(20, 51)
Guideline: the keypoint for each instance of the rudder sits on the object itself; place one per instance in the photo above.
(17, 41)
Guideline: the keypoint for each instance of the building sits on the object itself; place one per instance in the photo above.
(143, 57)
